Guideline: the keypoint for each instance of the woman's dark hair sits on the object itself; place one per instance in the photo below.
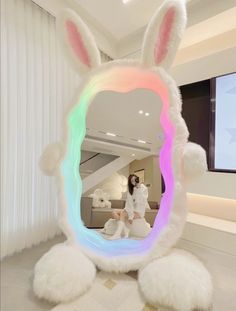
(130, 186)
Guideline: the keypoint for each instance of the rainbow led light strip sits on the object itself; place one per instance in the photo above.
(119, 79)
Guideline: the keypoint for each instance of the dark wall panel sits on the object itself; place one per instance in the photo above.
(196, 112)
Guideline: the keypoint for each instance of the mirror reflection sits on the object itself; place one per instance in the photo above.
(122, 184)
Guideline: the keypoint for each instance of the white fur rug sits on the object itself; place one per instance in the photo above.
(179, 281)
(63, 274)
(107, 236)
(139, 228)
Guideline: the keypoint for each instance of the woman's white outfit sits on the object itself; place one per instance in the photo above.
(137, 202)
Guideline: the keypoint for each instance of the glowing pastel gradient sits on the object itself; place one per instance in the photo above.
(118, 79)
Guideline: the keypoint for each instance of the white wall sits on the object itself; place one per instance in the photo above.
(212, 206)
(36, 86)
(215, 184)
(214, 195)
(114, 185)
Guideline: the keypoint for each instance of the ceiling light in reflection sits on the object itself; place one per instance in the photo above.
(126, 1)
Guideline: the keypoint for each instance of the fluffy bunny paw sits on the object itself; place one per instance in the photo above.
(194, 161)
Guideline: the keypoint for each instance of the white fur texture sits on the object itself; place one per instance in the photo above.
(194, 161)
(178, 280)
(63, 274)
(152, 34)
(139, 228)
(87, 39)
(100, 199)
(50, 158)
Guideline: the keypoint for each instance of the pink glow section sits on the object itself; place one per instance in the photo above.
(161, 46)
(76, 43)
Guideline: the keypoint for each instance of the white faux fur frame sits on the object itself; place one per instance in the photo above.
(171, 233)
(160, 45)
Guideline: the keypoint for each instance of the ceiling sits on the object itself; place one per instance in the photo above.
(210, 27)
(208, 49)
(119, 114)
(135, 15)
(119, 28)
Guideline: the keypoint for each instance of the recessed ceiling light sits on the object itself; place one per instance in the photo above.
(140, 111)
(146, 114)
(142, 141)
(111, 134)
(126, 1)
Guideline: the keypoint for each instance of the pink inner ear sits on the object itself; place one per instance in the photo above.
(161, 46)
(77, 44)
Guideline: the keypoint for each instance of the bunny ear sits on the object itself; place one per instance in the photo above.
(164, 33)
(78, 41)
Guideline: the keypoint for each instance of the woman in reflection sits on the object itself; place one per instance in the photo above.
(135, 206)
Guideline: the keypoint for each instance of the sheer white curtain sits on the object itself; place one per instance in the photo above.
(36, 86)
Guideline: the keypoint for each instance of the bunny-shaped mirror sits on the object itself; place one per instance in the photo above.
(124, 77)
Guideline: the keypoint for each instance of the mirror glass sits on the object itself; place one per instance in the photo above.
(122, 184)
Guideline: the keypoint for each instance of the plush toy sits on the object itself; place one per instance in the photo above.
(60, 274)
(100, 199)
(115, 185)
